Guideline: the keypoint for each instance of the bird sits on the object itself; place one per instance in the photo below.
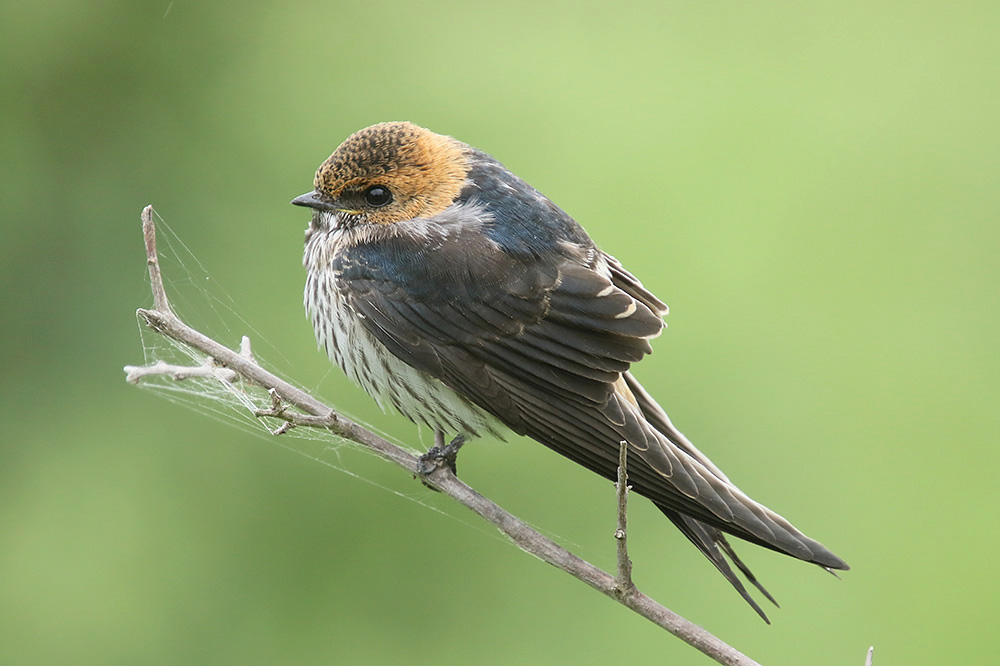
(454, 292)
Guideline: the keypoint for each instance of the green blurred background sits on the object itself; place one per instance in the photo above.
(812, 187)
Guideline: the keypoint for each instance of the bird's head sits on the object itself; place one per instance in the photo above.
(388, 173)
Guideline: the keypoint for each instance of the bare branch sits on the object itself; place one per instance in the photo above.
(298, 408)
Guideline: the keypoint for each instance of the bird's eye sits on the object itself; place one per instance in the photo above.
(377, 196)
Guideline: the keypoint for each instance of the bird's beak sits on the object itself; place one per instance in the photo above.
(315, 201)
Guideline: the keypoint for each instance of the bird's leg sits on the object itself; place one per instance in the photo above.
(441, 454)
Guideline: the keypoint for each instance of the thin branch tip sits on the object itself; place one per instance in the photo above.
(160, 301)
(625, 586)
(245, 350)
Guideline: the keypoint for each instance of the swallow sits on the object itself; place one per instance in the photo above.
(456, 293)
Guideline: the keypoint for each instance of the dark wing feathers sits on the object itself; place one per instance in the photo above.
(547, 351)
(631, 286)
(589, 301)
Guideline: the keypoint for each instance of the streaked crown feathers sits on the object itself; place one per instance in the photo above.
(423, 171)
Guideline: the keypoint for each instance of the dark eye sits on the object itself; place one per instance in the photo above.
(377, 196)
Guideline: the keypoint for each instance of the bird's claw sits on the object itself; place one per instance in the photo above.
(440, 456)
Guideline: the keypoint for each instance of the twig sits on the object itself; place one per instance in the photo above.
(207, 370)
(624, 580)
(316, 414)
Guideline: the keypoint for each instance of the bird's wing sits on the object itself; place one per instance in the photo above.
(545, 346)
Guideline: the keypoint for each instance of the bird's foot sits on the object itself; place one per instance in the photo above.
(440, 455)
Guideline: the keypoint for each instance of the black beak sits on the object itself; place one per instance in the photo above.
(314, 200)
